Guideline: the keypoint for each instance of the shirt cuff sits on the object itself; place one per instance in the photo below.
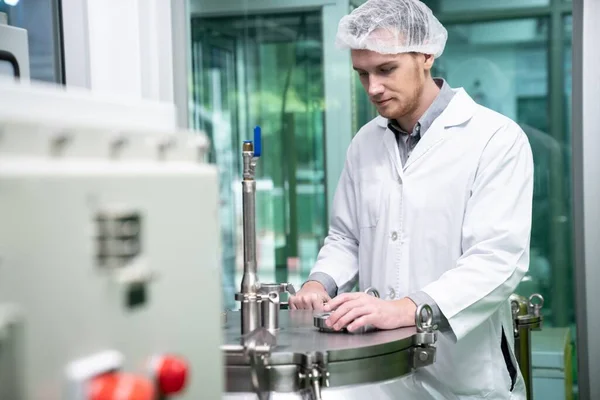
(326, 280)
(439, 318)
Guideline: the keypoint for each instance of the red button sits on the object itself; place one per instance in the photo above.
(116, 385)
(171, 373)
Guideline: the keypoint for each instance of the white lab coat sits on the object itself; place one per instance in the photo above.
(455, 222)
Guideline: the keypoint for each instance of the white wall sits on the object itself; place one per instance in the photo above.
(120, 47)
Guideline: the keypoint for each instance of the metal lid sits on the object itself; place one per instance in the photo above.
(298, 338)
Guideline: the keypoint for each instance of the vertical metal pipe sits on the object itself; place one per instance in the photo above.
(249, 279)
(523, 351)
(250, 313)
(250, 298)
(270, 311)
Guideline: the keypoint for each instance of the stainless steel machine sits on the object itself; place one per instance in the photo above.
(527, 317)
(274, 352)
(108, 228)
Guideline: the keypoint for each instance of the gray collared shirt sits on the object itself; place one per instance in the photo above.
(406, 144)
(407, 141)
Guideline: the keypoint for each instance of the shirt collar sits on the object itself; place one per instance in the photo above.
(435, 110)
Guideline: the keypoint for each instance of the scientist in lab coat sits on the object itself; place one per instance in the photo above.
(433, 206)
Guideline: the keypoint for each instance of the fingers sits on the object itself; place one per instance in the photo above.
(317, 302)
(342, 311)
(358, 323)
(350, 316)
(308, 301)
(336, 302)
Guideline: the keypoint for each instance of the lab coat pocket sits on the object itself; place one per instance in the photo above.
(369, 202)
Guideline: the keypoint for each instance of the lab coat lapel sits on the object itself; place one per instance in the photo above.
(459, 111)
(389, 140)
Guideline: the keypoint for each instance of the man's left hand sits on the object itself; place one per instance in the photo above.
(355, 310)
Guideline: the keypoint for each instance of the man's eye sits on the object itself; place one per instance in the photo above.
(387, 70)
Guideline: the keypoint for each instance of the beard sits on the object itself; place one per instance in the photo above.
(399, 108)
(407, 104)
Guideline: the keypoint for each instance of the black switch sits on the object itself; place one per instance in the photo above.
(136, 295)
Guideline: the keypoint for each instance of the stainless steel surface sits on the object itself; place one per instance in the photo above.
(304, 357)
(297, 335)
(526, 317)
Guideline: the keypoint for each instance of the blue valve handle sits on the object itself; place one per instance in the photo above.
(257, 144)
(257, 141)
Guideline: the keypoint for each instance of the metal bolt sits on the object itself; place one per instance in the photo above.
(423, 356)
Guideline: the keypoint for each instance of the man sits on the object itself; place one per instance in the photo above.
(433, 206)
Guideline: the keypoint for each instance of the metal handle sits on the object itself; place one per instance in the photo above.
(289, 288)
(534, 308)
(427, 324)
(257, 141)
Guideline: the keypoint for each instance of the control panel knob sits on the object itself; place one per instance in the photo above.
(171, 373)
(118, 385)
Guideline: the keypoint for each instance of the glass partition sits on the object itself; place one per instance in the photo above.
(505, 65)
(265, 70)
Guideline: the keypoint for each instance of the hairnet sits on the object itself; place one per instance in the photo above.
(391, 27)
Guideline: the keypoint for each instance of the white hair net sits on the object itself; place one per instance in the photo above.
(392, 27)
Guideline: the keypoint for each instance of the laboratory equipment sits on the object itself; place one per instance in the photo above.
(14, 50)
(527, 316)
(271, 351)
(108, 230)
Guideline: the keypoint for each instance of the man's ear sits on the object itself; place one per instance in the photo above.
(428, 64)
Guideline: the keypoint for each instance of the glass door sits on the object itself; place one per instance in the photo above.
(265, 70)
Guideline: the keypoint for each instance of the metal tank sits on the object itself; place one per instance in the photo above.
(271, 352)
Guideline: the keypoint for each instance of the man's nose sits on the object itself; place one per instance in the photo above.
(375, 87)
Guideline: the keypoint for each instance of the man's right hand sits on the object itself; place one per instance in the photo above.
(312, 296)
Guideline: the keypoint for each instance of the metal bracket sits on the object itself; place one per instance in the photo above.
(317, 373)
(257, 346)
